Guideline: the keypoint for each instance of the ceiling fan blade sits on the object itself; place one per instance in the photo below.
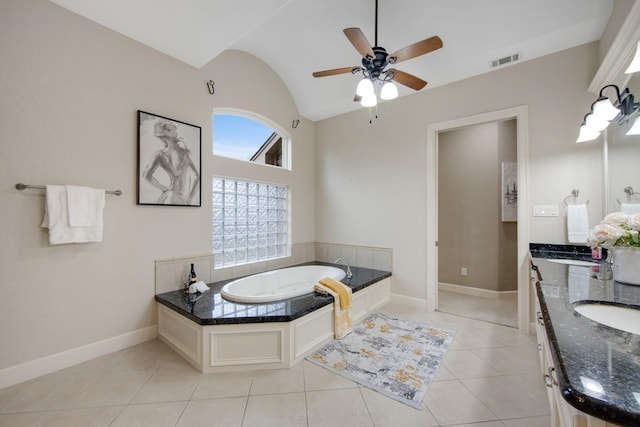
(359, 41)
(408, 80)
(416, 49)
(335, 71)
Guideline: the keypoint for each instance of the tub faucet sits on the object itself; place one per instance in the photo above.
(338, 261)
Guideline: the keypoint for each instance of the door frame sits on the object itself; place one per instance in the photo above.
(521, 114)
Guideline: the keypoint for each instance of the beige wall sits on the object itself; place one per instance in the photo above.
(70, 91)
(370, 183)
(471, 233)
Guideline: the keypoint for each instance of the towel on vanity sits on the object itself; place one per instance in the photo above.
(342, 322)
(630, 208)
(56, 219)
(577, 223)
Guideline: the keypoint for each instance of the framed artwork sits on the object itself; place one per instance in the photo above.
(509, 192)
(169, 161)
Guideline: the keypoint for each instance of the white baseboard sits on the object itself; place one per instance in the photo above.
(467, 290)
(419, 303)
(46, 365)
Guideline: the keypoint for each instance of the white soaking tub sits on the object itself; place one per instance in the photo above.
(279, 284)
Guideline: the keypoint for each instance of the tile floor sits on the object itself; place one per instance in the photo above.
(503, 310)
(489, 378)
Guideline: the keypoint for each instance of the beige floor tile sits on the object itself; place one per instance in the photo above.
(89, 417)
(475, 339)
(337, 408)
(150, 355)
(232, 384)
(271, 381)
(443, 374)
(466, 364)
(276, 410)
(30, 419)
(386, 412)
(511, 360)
(319, 378)
(112, 389)
(529, 422)
(451, 402)
(508, 396)
(503, 311)
(167, 386)
(106, 363)
(48, 393)
(150, 415)
(225, 412)
(487, 424)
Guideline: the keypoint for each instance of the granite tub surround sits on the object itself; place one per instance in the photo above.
(217, 335)
(211, 308)
(597, 367)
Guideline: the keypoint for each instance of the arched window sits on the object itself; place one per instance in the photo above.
(246, 136)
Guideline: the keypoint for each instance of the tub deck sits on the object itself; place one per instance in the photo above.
(211, 308)
(216, 335)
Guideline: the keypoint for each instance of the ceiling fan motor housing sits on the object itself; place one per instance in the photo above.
(375, 65)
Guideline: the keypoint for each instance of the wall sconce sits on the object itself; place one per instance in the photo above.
(603, 111)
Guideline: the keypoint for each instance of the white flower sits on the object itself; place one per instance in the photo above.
(615, 218)
(605, 234)
(634, 222)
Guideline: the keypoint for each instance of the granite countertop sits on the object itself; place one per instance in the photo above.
(598, 367)
(211, 308)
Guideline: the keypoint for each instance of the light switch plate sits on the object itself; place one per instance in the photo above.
(546, 210)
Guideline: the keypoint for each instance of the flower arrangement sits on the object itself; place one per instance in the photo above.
(615, 230)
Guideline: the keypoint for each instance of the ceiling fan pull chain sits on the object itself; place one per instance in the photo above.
(376, 35)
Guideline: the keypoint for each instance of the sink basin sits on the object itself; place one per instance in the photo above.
(615, 316)
(573, 262)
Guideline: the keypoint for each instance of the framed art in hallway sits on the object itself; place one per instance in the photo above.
(169, 161)
(509, 192)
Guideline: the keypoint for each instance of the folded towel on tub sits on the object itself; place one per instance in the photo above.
(342, 322)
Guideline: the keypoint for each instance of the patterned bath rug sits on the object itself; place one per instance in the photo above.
(397, 358)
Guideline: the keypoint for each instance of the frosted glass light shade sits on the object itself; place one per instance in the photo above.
(587, 134)
(365, 87)
(389, 91)
(634, 67)
(596, 123)
(635, 129)
(604, 109)
(369, 100)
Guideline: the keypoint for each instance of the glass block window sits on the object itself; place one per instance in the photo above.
(250, 221)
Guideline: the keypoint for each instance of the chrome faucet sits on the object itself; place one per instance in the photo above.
(349, 274)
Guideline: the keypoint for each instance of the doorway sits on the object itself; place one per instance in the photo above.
(520, 114)
(477, 228)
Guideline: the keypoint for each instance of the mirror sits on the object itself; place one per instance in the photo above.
(623, 158)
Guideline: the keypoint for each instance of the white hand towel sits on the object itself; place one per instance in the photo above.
(199, 286)
(630, 208)
(85, 206)
(56, 219)
(577, 223)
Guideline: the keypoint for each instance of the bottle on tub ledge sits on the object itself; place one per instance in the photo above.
(191, 278)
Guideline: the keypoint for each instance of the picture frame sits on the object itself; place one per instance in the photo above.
(169, 161)
(509, 192)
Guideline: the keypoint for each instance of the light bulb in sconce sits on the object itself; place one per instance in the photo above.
(369, 100)
(634, 67)
(389, 91)
(596, 123)
(365, 87)
(635, 129)
(587, 134)
(604, 109)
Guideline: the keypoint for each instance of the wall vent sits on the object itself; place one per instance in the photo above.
(505, 60)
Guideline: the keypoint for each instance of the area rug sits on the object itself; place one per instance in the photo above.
(397, 358)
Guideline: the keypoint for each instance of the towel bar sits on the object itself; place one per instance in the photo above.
(21, 186)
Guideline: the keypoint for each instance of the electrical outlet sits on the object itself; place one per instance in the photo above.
(463, 271)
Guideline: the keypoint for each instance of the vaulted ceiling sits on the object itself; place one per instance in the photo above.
(298, 37)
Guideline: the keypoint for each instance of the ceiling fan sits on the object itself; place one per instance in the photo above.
(375, 61)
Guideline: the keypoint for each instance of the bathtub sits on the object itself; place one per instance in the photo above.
(279, 284)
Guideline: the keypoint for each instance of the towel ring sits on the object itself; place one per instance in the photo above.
(630, 194)
(574, 194)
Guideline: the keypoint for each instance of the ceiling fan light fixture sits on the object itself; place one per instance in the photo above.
(389, 91)
(635, 129)
(587, 134)
(369, 100)
(365, 87)
(596, 123)
(604, 109)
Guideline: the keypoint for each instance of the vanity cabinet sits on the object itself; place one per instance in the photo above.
(562, 414)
